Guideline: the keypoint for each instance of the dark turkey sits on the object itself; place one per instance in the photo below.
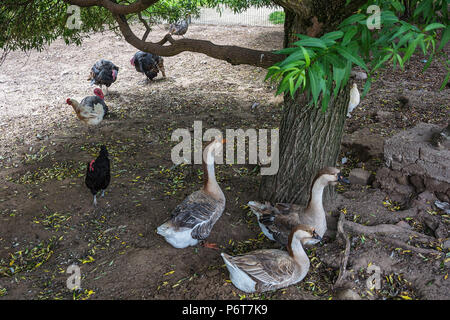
(148, 64)
(103, 72)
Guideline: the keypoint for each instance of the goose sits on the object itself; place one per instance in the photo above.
(277, 221)
(193, 219)
(271, 269)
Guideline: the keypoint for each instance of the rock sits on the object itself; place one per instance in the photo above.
(403, 224)
(411, 152)
(426, 196)
(254, 105)
(442, 196)
(446, 244)
(347, 294)
(417, 182)
(364, 143)
(384, 116)
(358, 75)
(387, 181)
(359, 176)
(403, 180)
(443, 206)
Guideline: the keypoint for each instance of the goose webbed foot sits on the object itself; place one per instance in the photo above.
(209, 245)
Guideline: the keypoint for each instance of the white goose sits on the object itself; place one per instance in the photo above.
(193, 219)
(277, 221)
(271, 269)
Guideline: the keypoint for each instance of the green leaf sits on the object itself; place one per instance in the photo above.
(286, 51)
(352, 19)
(445, 81)
(411, 48)
(291, 87)
(429, 60)
(433, 26)
(423, 6)
(405, 27)
(306, 56)
(335, 60)
(382, 60)
(349, 56)
(338, 75)
(297, 55)
(314, 84)
(367, 86)
(334, 35)
(365, 41)
(404, 39)
(398, 6)
(388, 18)
(312, 42)
(349, 35)
(445, 38)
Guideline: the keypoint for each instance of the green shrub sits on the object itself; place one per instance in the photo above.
(277, 17)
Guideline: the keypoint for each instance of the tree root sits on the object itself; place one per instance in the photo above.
(387, 233)
(393, 234)
(344, 260)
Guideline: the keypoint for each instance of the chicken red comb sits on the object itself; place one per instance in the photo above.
(91, 165)
(132, 61)
(68, 101)
(99, 93)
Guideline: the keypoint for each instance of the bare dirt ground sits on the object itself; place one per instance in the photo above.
(47, 221)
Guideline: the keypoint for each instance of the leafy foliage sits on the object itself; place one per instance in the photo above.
(33, 24)
(277, 17)
(322, 66)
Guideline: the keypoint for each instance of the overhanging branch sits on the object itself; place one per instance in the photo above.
(113, 7)
(232, 54)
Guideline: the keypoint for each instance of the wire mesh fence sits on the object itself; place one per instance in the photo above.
(250, 17)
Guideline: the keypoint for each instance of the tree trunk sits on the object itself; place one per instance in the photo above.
(309, 138)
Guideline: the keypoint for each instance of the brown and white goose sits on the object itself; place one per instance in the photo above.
(193, 219)
(271, 269)
(277, 221)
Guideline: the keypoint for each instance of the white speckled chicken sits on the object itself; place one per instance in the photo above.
(91, 110)
(179, 28)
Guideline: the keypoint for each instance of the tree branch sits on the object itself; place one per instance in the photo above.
(113, 7)
(232, 54)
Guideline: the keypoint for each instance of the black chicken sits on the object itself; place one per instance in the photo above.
(98, 174)
(104, 72)
(149, 64)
